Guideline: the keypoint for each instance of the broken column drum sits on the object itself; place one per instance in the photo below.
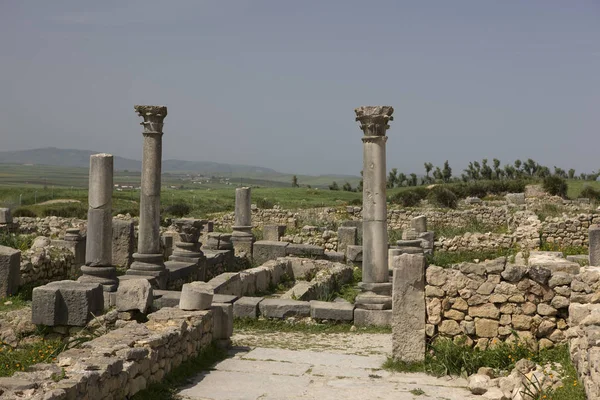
(374, 123)
(148, 261)
(98, 266)
(242, 236)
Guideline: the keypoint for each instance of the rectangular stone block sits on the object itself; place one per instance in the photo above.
(166, 298)
(247, 307)
(335, 256)
(10, 271)
(364, 317)
(336, 311)
(280, 270)
(277, 308)
(222, 320)
(262, 278)
(5, 216)
(265, 250)
(66, 303)
(594, 238)
(408, 307)
(347, 236)
(305, 250)
(123, 242)
(354, 253)
(359, 229)
(273, 232)
(248, 283)
(227, 283)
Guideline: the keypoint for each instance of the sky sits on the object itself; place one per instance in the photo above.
(275, 83)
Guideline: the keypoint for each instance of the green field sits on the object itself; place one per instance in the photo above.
(27, 186)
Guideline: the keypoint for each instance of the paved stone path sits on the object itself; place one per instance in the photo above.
(276, 374)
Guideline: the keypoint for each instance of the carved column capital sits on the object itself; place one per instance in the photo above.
(374, 119)
(153, 118)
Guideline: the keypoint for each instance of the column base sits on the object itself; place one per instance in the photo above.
(243, 242)
(150, 265)
(104, 275)
(374, 296)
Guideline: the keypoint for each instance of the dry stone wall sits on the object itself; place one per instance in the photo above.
(120, 363)
(486, 302)
(40, 265)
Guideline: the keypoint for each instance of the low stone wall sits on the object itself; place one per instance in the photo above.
(53, 227)
(40, 265)
(570, 231)
(584, 345)
(488, 301)
(120, 363)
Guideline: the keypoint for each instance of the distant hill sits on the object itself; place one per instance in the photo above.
(81, 159)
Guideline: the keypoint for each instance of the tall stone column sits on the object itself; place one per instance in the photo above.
(375, 274)
(148, 261)
(242, 236)
(98, 266)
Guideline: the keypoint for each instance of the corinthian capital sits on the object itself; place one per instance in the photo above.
(153, 117)
(374, 119)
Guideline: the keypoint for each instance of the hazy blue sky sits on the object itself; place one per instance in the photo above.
(275, 83)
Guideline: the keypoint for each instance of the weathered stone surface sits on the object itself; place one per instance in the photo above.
(264, 250)
(273, 233)
(304, 250)
(513, 272)
(560, 279)
(486, 328)
(419, 224)
(485, 311)
(66, 303)
(227, 283)
(408, 306)
(276, 308)
(134, 294)
(478, 383)
(196, 296)
(354, 253)
(247, 307)
(594, 240)
(539, 274)
(222, 320)
(5, 216)
(347, 236)
(123, 242)
(331, 310)
(364, 317)
(10, 275)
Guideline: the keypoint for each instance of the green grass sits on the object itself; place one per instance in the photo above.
(548, 211)
(566, 250)
(472, 225)
(444, 357)
(576, 186)
(167, 388)
(13, 360)
(19, 242)
(270, 325)
(448, 258)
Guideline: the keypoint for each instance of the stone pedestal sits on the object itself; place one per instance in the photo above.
(188, 247)
(148, 261)
(375, 276)
(98, 266)
(242, 237)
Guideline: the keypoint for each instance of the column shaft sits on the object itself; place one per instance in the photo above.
(98, 256)
(375, 236)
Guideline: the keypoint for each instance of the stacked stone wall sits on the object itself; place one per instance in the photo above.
(40, 265)
(120, 363)
(486, 302)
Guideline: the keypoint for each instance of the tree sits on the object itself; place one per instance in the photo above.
(413, 180)
(437, 174)
(401, 179)
(295, 181)
(509, 171)
(486, 171)
(392, 178)
(334, 186)
(428, 168)
(446, 172)
(572, 174)
(498, 173)
(347, 187)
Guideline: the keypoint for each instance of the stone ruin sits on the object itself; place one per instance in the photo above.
(191, 298)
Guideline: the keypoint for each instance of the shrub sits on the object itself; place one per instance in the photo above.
(555, 185)
(443, 197)
(24, 212)
(71, 211)
(178, 210)
(590, 193)
(355, 202)
(409, 198)
(264, 203)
